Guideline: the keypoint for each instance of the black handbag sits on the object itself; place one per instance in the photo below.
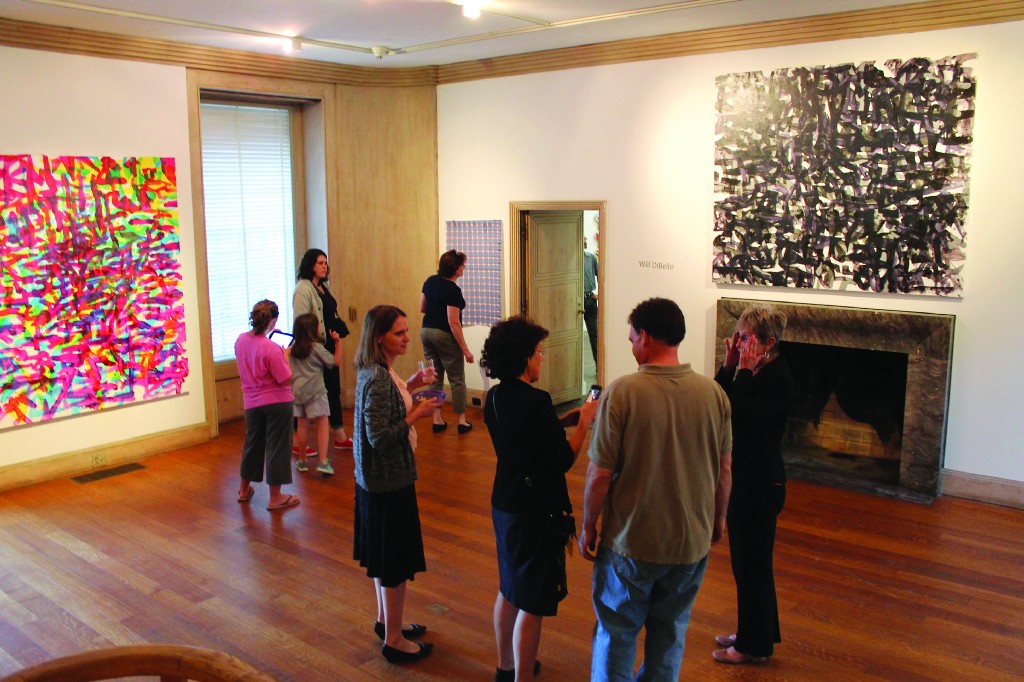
(339, 326)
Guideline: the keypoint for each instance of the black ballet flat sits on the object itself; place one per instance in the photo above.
(465, 428)
(415, 630)
(510, 675)
(394, 655)
(438, 428)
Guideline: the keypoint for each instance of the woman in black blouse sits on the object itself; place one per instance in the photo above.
(529, 486)
(760, 388)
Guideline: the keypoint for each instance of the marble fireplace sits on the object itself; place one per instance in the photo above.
(920, 342)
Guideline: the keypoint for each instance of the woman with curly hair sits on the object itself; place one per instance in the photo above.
(529, 494)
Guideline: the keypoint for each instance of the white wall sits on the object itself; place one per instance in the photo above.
(84, 106)
(640, 136)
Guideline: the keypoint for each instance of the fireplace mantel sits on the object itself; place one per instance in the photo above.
(926, 338)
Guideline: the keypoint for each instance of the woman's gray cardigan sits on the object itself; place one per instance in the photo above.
(383, 455)
(306, 299)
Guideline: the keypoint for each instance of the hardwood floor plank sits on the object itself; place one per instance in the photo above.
(869, 588)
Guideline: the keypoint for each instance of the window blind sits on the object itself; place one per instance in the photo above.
(247, 190)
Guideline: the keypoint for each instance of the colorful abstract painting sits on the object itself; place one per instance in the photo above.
(845, 177)
(90, 289)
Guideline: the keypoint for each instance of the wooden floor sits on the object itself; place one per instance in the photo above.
(869, 588)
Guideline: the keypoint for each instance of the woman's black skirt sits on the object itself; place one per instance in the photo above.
(388, 542)
(531, 562)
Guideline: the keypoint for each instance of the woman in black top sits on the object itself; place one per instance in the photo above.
(313, 296)
(760, 388)
(529, 486)
(443, 343)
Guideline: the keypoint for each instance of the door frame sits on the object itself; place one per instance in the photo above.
(519, 266)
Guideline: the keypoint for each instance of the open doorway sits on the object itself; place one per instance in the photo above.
(546, 268)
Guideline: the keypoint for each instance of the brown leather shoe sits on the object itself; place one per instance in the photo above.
(734, 657)
(725, 640)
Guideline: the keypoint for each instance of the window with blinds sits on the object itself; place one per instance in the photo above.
(250, 231)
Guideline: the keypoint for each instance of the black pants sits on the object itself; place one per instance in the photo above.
(590, 318)
(753, 511)
(332, 380)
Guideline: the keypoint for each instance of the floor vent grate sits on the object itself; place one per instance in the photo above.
(107, 473)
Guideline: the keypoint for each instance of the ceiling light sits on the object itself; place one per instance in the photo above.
(471, 8)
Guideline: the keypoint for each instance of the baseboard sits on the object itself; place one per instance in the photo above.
(475, 398)
(989, 489)
(101, 457)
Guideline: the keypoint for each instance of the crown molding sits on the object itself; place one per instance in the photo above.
(924, 16)
(114, 46)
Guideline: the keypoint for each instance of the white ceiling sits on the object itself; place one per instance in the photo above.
(410, 33)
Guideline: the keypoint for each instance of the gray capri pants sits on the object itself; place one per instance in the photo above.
(268, 433)
(439, 346)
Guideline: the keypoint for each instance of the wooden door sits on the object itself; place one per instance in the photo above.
(555, 297)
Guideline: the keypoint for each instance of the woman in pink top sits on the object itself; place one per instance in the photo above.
(267, 397)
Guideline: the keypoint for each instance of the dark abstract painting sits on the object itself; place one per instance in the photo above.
(90, 293)
(845, 177)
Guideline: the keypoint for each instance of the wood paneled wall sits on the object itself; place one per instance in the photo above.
(386, 219)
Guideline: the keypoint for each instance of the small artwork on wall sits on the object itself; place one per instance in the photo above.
(91, 309)
(480, 240)
(850, 177)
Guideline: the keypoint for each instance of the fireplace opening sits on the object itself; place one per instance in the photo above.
(847, 420)
(916, 349)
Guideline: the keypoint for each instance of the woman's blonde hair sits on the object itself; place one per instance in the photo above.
(377, 322)
(765, 323)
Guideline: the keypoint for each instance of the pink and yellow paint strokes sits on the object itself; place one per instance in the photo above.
(90, 288)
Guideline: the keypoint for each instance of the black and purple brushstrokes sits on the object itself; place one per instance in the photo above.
(845, 176)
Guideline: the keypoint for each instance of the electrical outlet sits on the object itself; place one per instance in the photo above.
(99, 460)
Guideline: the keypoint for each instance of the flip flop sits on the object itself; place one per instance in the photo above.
(248, 495)
(290, 501)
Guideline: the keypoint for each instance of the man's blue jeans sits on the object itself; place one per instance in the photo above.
(630, 594)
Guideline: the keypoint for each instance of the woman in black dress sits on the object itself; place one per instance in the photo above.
(760, 388)
(312, 295)
(529, 487)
